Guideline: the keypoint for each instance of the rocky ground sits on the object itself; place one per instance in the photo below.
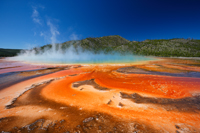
(156, 96)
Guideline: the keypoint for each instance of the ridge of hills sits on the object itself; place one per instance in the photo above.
(177, 47)
(9, 52)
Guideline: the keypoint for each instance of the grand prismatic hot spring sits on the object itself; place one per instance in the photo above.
(136, 95)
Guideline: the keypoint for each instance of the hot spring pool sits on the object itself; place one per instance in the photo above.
(83, 58)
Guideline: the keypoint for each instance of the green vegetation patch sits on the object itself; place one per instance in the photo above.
(110, 44)
(9, 52)
(163, 47)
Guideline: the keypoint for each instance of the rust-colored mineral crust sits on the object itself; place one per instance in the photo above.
(156, 96)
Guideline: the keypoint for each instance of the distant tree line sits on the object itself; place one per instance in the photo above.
(9, 52)
(163, 47)
(177, 47)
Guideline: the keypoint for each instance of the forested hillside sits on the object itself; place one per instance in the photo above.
(163, 47)
(9, 52)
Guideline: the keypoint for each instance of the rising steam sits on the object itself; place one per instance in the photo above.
(56, 54)
(70, 56)
(54, 33)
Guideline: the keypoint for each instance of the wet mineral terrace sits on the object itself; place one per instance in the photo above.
(152, 96)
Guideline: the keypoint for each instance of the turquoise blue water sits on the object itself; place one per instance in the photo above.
(83, 58)
(115, 59)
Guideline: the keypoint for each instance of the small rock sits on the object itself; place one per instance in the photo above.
(136, 125)
(78, 126)
(5, 132)
(100, 127)
(177, 126)
(63, 107)
(49, 109)
(88, 119)
(120, 104)
(15, 128)
(109, 102)
(62, 121)
(2, 118)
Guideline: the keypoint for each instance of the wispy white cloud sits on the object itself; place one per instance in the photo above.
(35, 13)
(52, 36)
(41, 34)
(36, 20)
(41, 6)
(35, 16)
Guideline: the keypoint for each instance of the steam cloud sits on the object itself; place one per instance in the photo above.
(70, 56)
(35, 16)
(55, 54)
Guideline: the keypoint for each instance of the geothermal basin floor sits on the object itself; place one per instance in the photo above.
(152, 96)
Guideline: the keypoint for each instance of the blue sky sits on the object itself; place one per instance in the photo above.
(25, 24)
